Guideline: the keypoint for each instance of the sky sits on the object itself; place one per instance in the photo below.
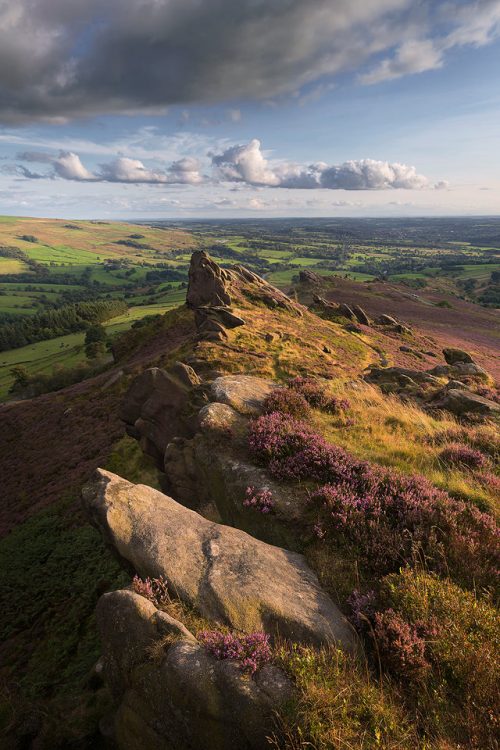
(179, 109)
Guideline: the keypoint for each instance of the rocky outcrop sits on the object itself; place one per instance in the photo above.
(211, 290)
(462, 403)
(225, 574)
(386, 320)
(307, 276)
(181, 698)
(161, 405)
(452, 356)
(401, 376)
(208, 282)
(258, 290)
(361, 315)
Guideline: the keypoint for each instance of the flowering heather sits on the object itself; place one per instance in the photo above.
(261, 500)
(362, 608)
(277, 436)
(314, 393)
(251, 651)
(401, 648)
(459, 454)
(154, 589)
(392, 519)
(287, 401)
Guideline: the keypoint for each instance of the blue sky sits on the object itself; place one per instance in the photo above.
(180, 109)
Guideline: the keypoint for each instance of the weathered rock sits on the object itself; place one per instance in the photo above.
(401, 375)
(184, 699)
(471, 370)
(346, 311)
(257, 289)
(220, 419)
(223, 315)
(245, 393)
(461, 402)
(128, 628)
(157, 407)
(456, 384)
(309, 277)
(452, 356)
(208, 324)
(386, 320)
(208, 282)
(224, 573)
(361, 315)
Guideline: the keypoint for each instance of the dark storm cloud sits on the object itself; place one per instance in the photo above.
(67, 58)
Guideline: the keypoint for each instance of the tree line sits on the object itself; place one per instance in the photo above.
(53, 323)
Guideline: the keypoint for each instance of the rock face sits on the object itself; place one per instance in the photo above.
(210, 295)
(228, 576)
(208, 282)
(157, 407)
(184, 699)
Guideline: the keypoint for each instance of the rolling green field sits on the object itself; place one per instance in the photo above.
(59, 262)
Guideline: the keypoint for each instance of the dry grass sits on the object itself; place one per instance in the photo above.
(399, 434)
(339, 705)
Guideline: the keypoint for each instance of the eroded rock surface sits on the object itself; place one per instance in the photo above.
(244, 393)
(228, 576)
(462, 402)
(158, 407)
(183, 698)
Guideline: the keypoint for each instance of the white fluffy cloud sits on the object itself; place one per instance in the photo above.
(247, 164)
(68, 166)
(61, 59)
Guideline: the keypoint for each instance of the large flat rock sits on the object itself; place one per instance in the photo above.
(227, 575)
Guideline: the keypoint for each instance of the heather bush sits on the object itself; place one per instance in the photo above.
(154, 589)
(484, 437)
(287, 401)
(395, 520)
(400, 645)
(261, 500)
(251, 651)
(392, 519)
(458, 454)
(314, 393)
(277, 435)
(460, 636)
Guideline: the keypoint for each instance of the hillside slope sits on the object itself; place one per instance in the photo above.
(51, 445)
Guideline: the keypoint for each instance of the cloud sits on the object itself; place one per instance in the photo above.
(247, 164)
(60, 59)
(414, 56)
(473, 24)
(244, 165)
(68, 166)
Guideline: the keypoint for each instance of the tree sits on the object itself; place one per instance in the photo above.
(95, 341)
(21, 378)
